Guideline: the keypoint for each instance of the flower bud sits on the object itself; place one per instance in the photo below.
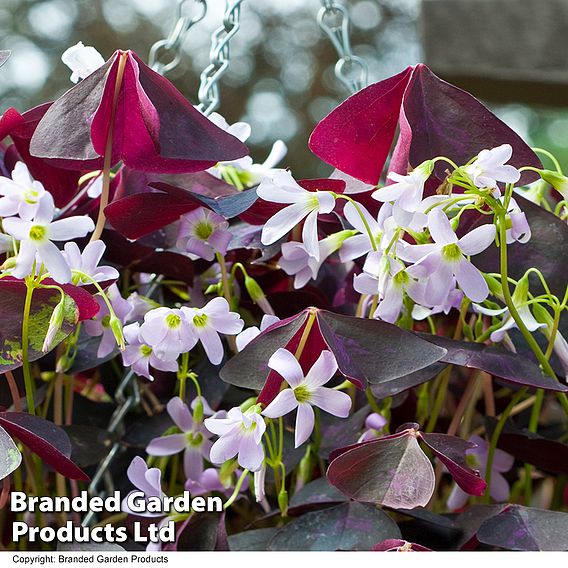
(259, 477)
(198, 412)
(55, 322)
(116, 326)
(257, 295)
(283, 502)
(558, 181)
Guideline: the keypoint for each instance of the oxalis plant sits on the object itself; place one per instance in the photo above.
(374, 360)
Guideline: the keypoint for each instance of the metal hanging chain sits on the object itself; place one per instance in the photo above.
(333, 19)
(209, 94)
(165, 54)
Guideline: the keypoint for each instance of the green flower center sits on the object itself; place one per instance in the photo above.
(195, 440)
(401, 278)
(105, 322)
(452, 252)
(146, 350)
(30, 196)
(173, 321)
(200, 320)
(203, 230)
(302, 393)
(38, 233)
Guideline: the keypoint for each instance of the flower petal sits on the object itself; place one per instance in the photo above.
(284, 403)
(304, 423)
(180, 414)
(332, 401)
(70, 228)
(166, 445)
(251, 454)
(283, 222)
(440, 227)
(310, 234)
(212, 344)
(322, 370)
(471, 280)
(55, 262)
(287, 366)
(477, 240)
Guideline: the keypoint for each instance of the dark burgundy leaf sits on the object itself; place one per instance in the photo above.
(61, 183)
(452, 453)
(356, 137)
(200, 532)
(248, 368)
(349, 526)
(338, 432)
(316, 493)
(401, 384)
(12, 299)
(511, 367)
(154, 128)
(48, 441)
(432, 124)
(256, 539)
(392, 471)
(374, 351)
(526, 528)
(544, 453)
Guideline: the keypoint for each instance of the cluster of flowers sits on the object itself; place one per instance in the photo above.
(411, 260)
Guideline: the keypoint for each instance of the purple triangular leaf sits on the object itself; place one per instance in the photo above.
(452, 453)
(48, 441)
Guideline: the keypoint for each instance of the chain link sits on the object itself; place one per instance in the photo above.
(333, 19)
(165, 54)
(209, 93)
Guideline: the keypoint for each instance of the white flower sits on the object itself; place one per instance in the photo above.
(297, 261)
(247, 335)
(202, 233)
(87, 262)
(382, 230)
(36, 236)
(101, 325)
(406, 193)
(140, 356)
(22, 193)
(207, 322)
(249, 174)
(283, 188)
(489, 167)
(82, 60)
(520, 230)
(306, 392)
(446, 257)
(240, 433)
(168, 332)
(389, 279)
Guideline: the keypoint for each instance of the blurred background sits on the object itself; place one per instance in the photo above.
(281, 78)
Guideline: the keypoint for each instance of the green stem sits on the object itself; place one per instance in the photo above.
(28, 381)
(495, 438)
(533, 426)
(365, 223)
(235, 493)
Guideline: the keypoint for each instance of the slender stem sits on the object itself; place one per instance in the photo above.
(28, 381)
(495, 438)
(363, 218)
(509, 301)
(305, 334)
(533, 426)
(13, 386)
(235, 493)
(107, 164)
